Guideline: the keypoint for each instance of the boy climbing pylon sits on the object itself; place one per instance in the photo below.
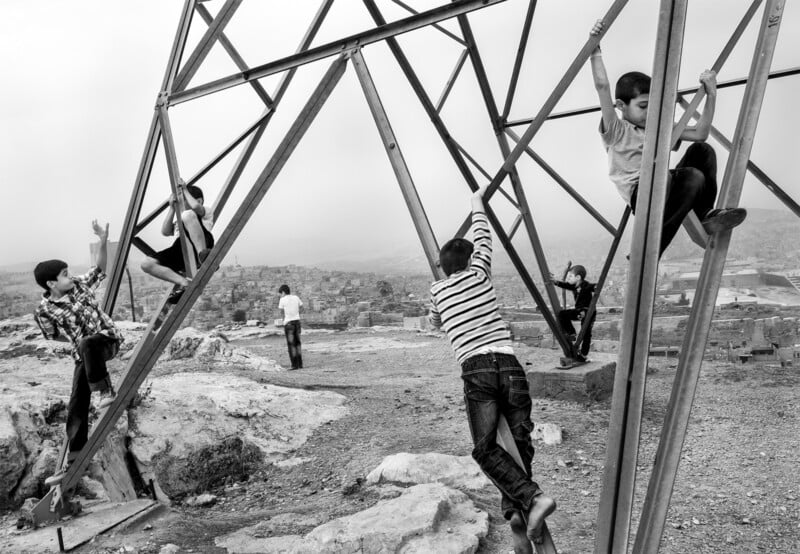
(495, 385)
(69, 312)
(692, 185)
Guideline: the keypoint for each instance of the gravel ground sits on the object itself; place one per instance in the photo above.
(737, 488)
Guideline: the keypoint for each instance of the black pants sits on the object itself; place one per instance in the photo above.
(565, 319)
(90, 375)
(495, 385)
(692, 185)
(292, 330)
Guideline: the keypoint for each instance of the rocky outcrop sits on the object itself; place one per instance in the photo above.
(12, 458)
(194, 430)
(460, 472)
(425, 518)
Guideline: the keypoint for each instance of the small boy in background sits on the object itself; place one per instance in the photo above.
(69, 312)
(692, 185)
(465, 305)
(583, 291)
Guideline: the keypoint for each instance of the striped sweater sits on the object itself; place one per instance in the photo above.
(465, 304)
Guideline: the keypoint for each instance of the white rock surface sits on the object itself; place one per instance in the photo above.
(12, 458)
(548, 433)
(429, 518)
(460, 472)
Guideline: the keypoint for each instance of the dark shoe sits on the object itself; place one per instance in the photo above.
(175, 295)
(581, 358)
(203, 254)
(723, 219)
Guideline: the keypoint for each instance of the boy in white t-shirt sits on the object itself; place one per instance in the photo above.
(290, 305)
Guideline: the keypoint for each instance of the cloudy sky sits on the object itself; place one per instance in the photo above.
(81, 78)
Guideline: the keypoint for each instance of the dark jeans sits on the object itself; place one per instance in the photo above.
(292, 330)
(565, 319)
(90, 375)
(495, 385)
(692, 185)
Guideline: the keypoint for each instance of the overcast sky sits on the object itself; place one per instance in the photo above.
(80, 80)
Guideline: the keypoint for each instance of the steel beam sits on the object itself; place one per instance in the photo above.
(516, 181)
(656, 504)
(523, 43)
(461, 164)
(424, 19)
(565, 185)
(404, 179)
(483, 172)
(203, 47)
(146, 165)
(150, 348)
(235, 56)
(616, 500)
(451, 80)
(438, 27)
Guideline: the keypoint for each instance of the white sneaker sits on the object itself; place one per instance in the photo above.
(106, 398)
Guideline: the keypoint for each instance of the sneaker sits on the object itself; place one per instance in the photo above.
(581, 358)
(175, 295)
(723, 219)
(106, 398)
(56, 478)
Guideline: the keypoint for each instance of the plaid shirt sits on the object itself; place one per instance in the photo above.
(76, 314)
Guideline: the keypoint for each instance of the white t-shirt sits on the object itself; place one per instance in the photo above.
(290, 304)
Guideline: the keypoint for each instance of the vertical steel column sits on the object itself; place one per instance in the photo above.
(523, 43)
(524, 208)
(404, 179)
(461, 164)
(146, 165)
(613, 521)
(656, 504)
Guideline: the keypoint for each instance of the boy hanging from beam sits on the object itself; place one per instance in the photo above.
(692, 185)
(465, 305)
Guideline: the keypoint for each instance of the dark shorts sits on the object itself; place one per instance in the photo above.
(172, 257)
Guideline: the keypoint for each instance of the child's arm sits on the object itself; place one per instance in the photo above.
(433, 315)
(168, 225)
(700, 131)
(102, 252)
(601, 83)
(48, 327)
(481, 236)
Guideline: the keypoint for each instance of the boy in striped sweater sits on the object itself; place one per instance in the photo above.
(465, 305)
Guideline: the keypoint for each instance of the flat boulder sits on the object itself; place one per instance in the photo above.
(460, 472)
(425, 518)
(196, 430)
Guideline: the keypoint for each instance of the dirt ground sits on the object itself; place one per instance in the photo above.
(737, 489)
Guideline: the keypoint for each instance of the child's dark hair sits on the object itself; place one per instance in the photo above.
(578, 270)
(284, 289)
(631, 85)
(47, 271)
(196, 192)
(454, 255)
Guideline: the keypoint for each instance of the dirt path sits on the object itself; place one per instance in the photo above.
(737, 490)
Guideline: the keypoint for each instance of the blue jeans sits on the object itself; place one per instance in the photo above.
(495, 385)
(292, 330)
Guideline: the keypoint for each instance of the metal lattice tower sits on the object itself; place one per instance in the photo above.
(177, 87)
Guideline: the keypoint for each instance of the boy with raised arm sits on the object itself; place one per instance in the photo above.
(583, 292)
(69, 312)
(692, 185)
(465, 305)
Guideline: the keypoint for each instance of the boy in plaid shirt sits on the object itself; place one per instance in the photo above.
(69, 312)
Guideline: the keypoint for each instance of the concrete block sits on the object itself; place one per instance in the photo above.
(592, 381)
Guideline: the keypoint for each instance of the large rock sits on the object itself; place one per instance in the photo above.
(43, 466)
(193, 430)
(12, 458)
(424, 519)
(460, 472)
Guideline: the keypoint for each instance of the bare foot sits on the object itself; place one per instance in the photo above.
(522, 545)
(542, 507)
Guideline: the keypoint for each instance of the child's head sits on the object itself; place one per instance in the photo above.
(284, 290)
(53, 276)
(455, 255)
(576, 274)
(196, 192)
(633, 93)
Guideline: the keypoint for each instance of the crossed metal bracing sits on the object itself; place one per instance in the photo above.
(177, 87)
